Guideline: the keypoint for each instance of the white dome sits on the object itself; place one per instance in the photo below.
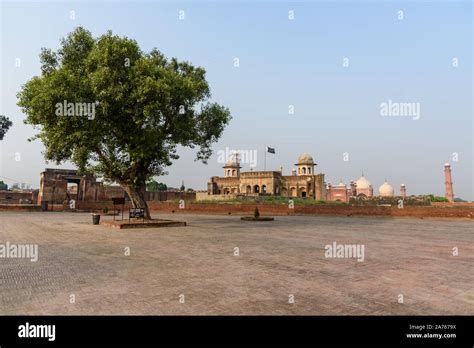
(305, 159)
(363, 183)
(386, 190)
(231, 163)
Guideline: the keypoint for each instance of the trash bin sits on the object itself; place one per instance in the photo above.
(95, 219)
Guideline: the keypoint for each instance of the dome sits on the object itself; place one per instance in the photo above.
(231, 163)
(363, 183)
(386, 190)
(305, 159)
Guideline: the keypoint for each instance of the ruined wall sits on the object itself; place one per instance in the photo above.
(17, 197)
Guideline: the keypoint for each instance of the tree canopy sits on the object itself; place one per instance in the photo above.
(5, 125)
(154, 186)
(118, 112)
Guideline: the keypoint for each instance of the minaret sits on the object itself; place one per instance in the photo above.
(403, 190)
(448, 182)
(353, 190)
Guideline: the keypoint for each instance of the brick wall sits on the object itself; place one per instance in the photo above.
(276, 209)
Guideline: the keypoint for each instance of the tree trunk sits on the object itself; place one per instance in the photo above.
(137, 197)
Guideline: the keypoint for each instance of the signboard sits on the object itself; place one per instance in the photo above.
(136, 213)
(118, 200)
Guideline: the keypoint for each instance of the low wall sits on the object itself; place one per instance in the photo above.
(270, 209)
(14, 197)
(453, 204)
(275, 209)
(204, 196)
(20, 207)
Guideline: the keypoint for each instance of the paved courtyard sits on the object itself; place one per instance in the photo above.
(197, 264)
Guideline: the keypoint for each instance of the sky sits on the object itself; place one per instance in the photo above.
(311, 77)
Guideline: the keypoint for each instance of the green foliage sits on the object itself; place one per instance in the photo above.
(182, 188)
(3, 186)
(393, 201)
(147, 105)
(5, 125)
(458, 199)
(256, 213)
(153, 186)
(434, 198)
(189, 190)
(273, 200)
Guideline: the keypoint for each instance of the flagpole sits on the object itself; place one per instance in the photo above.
(265, 160)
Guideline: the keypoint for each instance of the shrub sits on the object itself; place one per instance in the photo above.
(256, 213)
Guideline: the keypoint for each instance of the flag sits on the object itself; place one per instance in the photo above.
(270, 149)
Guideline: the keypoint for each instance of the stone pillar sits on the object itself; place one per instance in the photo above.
(448, 182)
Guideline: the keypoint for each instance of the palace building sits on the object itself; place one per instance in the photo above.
(304, 182)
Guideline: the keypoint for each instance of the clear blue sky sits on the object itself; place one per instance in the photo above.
(285, 62)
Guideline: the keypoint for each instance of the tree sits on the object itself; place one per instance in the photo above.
(5, 125)
(154, 186)
(3, 186)
(118, 112)
(182, 188)
(458, 199)
(434, 198)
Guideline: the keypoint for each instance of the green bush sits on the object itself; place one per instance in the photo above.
(434, 198)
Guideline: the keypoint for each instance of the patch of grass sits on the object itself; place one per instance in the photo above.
(271, 200)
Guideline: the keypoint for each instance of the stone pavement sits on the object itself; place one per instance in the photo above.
(197, 264)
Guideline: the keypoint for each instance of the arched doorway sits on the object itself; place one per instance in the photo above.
(256, 189)
(264, 188)
(293, 192)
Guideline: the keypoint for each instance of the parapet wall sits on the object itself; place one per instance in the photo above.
(275, 209)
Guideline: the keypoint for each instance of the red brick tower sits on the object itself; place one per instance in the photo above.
(403, 190)
(448, 182)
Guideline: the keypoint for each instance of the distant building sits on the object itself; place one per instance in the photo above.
(303, 182)
(386, 190)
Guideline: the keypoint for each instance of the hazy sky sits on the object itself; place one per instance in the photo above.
(283, 62)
